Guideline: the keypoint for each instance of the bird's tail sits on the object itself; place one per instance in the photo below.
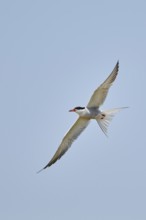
(104, 118)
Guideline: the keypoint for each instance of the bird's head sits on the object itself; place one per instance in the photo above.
(79, 110)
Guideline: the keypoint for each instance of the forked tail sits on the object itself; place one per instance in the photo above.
(105, 117)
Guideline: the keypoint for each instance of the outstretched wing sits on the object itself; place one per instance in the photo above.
(68, 139)
(100, 93)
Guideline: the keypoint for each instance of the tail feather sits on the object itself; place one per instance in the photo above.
(105, 117)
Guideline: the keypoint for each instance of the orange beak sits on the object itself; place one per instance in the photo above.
(72, 110)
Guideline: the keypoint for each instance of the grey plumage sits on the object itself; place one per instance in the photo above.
(86, 113)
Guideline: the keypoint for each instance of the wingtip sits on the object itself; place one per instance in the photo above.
(48, 165)
(39, 171)
(117, 64)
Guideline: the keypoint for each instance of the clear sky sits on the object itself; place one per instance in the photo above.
(53, 55)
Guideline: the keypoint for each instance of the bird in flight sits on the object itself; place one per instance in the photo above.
(91, 111)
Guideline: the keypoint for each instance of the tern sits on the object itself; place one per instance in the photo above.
(91, 111)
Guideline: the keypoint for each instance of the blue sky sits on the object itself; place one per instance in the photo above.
(53, 55)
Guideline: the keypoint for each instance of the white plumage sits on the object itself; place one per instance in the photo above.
(86, 113)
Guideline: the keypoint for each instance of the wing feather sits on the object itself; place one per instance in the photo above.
(68, 139)
(100, 93)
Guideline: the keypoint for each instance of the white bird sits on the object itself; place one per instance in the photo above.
(91, 111)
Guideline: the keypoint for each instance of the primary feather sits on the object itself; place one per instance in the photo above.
(100, 93)
(68, 139)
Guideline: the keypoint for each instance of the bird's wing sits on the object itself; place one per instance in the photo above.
(100, 93)
(68, 139)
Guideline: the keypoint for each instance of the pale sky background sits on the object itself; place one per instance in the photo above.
(53, 55)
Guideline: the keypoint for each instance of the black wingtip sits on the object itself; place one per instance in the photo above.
(117, 66)
(48, 165)
(40, 170)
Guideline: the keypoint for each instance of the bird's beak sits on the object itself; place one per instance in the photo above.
(72, 110)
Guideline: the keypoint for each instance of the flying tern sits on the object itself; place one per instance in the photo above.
(91, 111)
